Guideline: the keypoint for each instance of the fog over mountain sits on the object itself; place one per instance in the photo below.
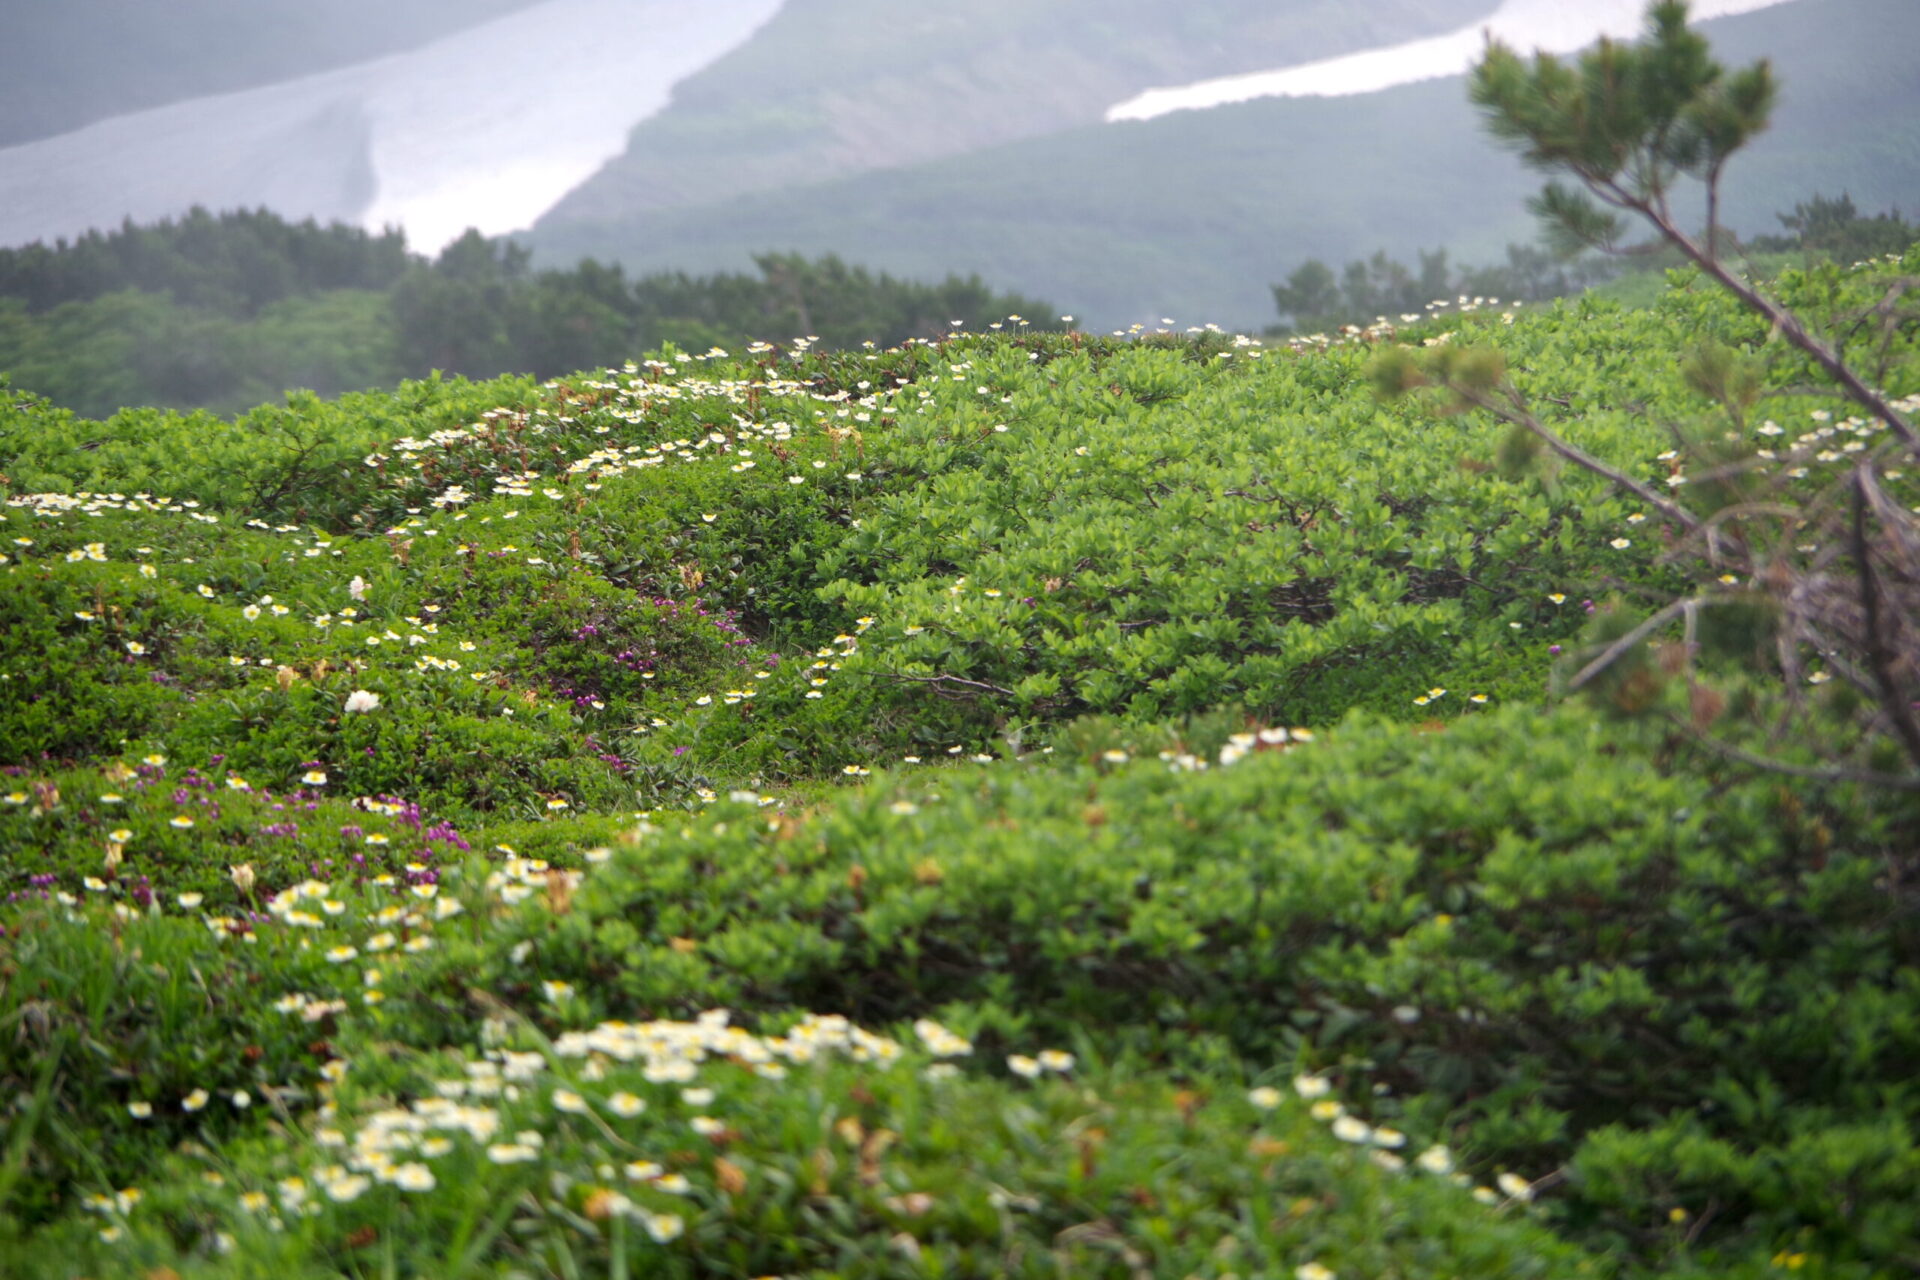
(485, 127)
(65, 64)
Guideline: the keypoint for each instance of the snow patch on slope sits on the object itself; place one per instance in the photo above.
(486, 128)
(1557, 26)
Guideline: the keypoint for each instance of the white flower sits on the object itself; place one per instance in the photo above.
(357, 588)
(1351, 1129)
(360, 702)
(412, 1177)
(1266, 1097)
(511, 1153)
(1311, 1086)
(342, 1189)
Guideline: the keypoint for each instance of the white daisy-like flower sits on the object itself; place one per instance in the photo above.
(1351, 1129)
(412, 1177)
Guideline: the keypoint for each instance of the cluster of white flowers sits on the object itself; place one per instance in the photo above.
(1383, 1144)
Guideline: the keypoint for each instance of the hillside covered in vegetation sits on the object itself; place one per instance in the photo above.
(995, 806)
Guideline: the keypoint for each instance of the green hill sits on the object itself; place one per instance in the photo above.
(1195, 214)
(1110, 786)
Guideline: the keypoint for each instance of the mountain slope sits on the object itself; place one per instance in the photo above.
(1193, 214)
(833, 87)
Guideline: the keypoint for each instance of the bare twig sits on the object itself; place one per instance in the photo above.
(1866, 777)
(981, 685)
(1893, 700)
(1517, 414)
(1784, 322)
(1612, 652)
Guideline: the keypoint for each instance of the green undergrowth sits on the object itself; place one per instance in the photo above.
(1525, 940)
(1166, 719)
(671, 564)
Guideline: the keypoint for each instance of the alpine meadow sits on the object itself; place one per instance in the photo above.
(1435, 797)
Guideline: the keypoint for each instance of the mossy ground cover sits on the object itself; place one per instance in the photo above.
(1108, 785)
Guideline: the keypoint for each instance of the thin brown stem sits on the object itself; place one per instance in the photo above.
(1898, 707)
(1866, 777)
(1518, 415)
(1612, 652)
(1784, 322)
(944, 680)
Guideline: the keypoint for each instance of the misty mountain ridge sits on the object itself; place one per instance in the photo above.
(1193, 214)
(954, 136)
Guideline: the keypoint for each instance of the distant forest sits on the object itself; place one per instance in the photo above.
(228, 311)
(1316, 298)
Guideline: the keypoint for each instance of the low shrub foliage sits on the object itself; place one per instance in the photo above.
(1023, 803)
